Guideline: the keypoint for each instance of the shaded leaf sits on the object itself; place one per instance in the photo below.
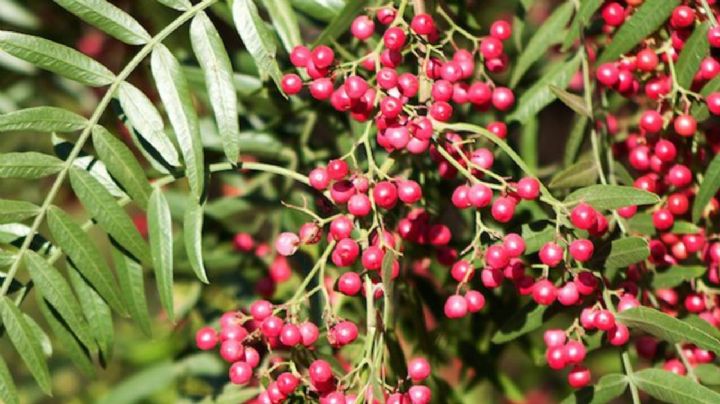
(572, 101)
(28, 165)
(700, 110)
(146, 120)
(539, 95)
(141, 384)
(536, 235)
(324, 10)
(16, 211)
(575, 140)
(192, 233)
(670, 328)
(96, 312)
(42, 119)
(215, 63)
(111, 217)
(671, 388)
(40, 335)
(581, 174)
(78, 354)
(605, 390)
(174, 92)
(257, 38)
(529, 143)
(8, 391)
(285, 22)
(695, 49)
(181, 5)
(122, 165)
(132, 288)
(161, 248)
(647, 18)
(604, 197)
(107, 18)
(708, 374)
(580, 22)
(341, 22)
(621, 253)
(529, 318)
(708, 188)
(55, 289)
(677, 274)
(550, 33)
(56, 58)
(25, 343)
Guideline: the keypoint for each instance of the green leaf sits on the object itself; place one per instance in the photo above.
(122, 165)
(18, 15)
(40, 335)
(388, 288)
(68, 342)
(132, 288)
(55, 289)
(215, 63)
(141, 385)
(581, 174)
(97, 313)
(642, 223)
(28, 165)
(8, 391)
(671, 388)
(677, 274)
(146, 120)
(25, 343)
(56, 58)
(683, 227)
(695, 49)
(539, 95)
(536, 235)
(161, 248)
(551, 32)
(529, 143)
(647, 18)
(605, 390)
(572, 101)
(324, 10)
(341, 22)
(175, 94)
(105, 210)
(257, 38)
(192, 233)
(580, 22)
(108, 18)
(529, 318)
(42, 119)
(699, 109)
(671, 329)
(708, 188)
(285, 22)
(605, 197)
(16, 211)
(621, 253)
(708, 374)
(575, 140)
(180, 5)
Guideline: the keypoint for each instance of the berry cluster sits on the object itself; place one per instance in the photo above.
(412, 82)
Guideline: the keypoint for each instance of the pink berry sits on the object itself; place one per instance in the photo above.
(240, 373)
(287, 243)
(456, 307)
(206, 338)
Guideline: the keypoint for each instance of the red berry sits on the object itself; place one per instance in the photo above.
(613, 14)
(556, 357)
(386, 15)
(409, 191)
(291, 84)
(344, 332)
(441, 111)
(362, 27)
(475, 300)
(496, 257)
(618, 335)
(574, 352)
(418, 369)
(206, 338)
(323, 56)
(272, 326)
(568, 295)
(695, 303)
(287, 383)
(456, 307)
(663, 219)
(583, 216)
(232, 350)
(581, 250)
(498, 129)
(501, 30)
(299, 56)
(321, 88)
(349, 283)
(491, 47)
(713, 102)
(647, 60)
(320, 372)
(419, 394)
(514, 245)
(503, 98)
(714, 37)
(503, 209)
(261, 309)
(604, 320)
(607, 74)
(422, 24)
(394, 38)
(682, 16)
(528, 188)
(579, 377)
(544, 292)
(240, 373)
(287, 243)
(685, 125)
(554, 338)
(355, 86)
(651, 121)
(309, 333)
(345, 253)
(551, 254)
(479, 93)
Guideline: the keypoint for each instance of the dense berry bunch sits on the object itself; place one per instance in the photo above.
(375, 228)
